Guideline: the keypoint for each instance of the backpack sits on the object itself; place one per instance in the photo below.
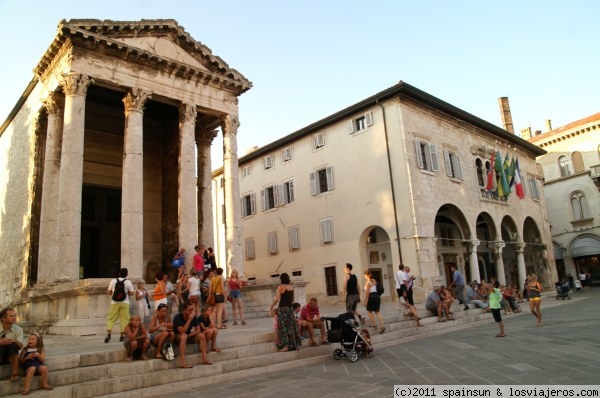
(167, 351)
(380, 289)
(119, 293)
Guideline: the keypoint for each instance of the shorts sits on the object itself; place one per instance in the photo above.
(161, 301)
(433, 308)
(7, 351)
(190, 340)
(351, 302)
(496, 314)
(236, 294)
(219, 298)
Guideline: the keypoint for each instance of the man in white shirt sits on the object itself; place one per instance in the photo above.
(401, 281)
(119, 306)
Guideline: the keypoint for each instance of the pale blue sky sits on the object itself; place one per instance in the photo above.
(308, 59)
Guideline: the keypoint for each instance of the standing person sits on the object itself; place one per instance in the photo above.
(32, 359)
(205, 287)
(183, 291)
(185, 325)
(409, 285)
(400, 281)
(495, 296)
(288, 337)
(179, 262)
(136, 339)
(210, 261)
(171, 292)
(199, 265)
(217, 287)
(160, 290)
(352, 292)
(534, 292)
(11, 341)
(141, 299)
(235, 284)
(373, 301)
(161, 329)
(119, 289)
(458, 284)
(588, 281)
(194, 290)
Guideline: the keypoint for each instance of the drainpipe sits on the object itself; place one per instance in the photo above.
(389, 163)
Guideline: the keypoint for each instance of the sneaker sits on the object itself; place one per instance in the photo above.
(107, 338)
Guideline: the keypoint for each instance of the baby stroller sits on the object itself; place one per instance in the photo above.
(563, 289)
(344, 329)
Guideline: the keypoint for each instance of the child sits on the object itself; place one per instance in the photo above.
(208, 329)
(494, 299)
(136, 338)
(32, 358)
(143, 304)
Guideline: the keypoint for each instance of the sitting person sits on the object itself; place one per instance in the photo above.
(508, 295)
(161, 329)
(136, 338)
(473, 297)
(310, 314)
(435, 304)
(409, 310)
(208, 329)
(304, 325)
(447, 297)
(32, 359)
(185, 326)
(11, 342)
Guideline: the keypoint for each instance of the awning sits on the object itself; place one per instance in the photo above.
(585, 246)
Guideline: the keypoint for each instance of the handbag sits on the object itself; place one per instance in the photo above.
(167, 351)
(177, 262)
(229, 298)
(211, 300)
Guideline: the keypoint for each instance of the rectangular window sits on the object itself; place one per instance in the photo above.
(248, 204)
(297, 273)
(452, 161)
(360, 123)
(318, 140)
(269, 197)
(321, 180)
(331, 281)
(286, 192)
(426, 155)
(294, 238)
(246, 171)
(250, 249)
(533, 188)
(272, 243)
(268, 161)
(286, 154)
(326, 230)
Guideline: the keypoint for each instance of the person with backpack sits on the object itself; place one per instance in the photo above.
(119, 289)
(373, 292)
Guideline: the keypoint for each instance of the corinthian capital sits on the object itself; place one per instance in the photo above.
(205, 136)
(54, 104)
(231, 123)
(187, 113)
(75, 84)
(135, 100)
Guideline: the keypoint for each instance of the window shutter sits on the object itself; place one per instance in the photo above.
(313, 184)
(250, 249)
(320, 140)
(272, 243)
(329, 172)
(294, 241)
(418, 150)
(350, 126)
(253, 203)
(263, 199)
(585, 212)
(434, 161)
(280, 199)
(458, 171)
(243, 205)
(326, 231)
(291, 197)
(368, 119)
(448, 164)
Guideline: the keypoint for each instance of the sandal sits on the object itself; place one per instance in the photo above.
(14, 378)
(25, 392)
(159, 356)
(222, 327)
(186, 366)
(216, 350)
(243, 322)
(48, 387)
(207, 362)
(235, 322)
(314, 344)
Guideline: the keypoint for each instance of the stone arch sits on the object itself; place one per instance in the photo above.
(485, 228)
(535, 251)
(452, 232)
(376, 254)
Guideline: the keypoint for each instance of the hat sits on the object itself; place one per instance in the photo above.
(161, 305)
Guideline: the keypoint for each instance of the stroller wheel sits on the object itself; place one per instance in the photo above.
(337, 354)
(353, 356)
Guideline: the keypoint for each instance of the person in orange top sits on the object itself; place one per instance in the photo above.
(160, 291)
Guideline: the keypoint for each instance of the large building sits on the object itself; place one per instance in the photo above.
(571, 171)
(399, 177)
(99, 158)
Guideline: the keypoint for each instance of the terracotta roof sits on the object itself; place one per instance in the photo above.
(566, 128)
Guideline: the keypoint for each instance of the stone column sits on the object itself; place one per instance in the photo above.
(188, 219)
(71, 177)
(500, 274)
(48, 242)
(233, 219)
(132, 196)
(204, 139)
(522, 270)
(474, 261)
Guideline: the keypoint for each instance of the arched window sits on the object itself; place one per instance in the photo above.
(579, 206)
(565, 166)
(578, 165)
(479, 167)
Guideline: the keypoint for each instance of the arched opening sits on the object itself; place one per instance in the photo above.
(486, 235)
(452, 233)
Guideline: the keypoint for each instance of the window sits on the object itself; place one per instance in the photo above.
(250, 249)
(287, 192)
(248, 204)
(272, 243)
(246, 171)
(297, 273)
(331, 281)
(286, 154)
(577, 159)
(452, 161)
(479, 167)
(321, 180)
(564, 164)
(426, 156)
(326, 229)
(447, 236)
(294, 238)
(268, 161)
(579, 206)
(533, 188)
(360, 123)
(269, 197)
(318, 140)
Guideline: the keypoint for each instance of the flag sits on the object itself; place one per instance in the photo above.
(491, 185)
(502, 184)
(518, 182)
(507, 173)
(512, 173)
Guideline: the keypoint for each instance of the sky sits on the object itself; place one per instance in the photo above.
(308, 59)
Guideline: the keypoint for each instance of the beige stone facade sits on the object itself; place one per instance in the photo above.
(396, 178)
(99, 160)
(571, 171)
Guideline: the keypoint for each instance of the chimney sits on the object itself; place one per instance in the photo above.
(505, 113)
(538, 132)
(526, 133)
(548, 125)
